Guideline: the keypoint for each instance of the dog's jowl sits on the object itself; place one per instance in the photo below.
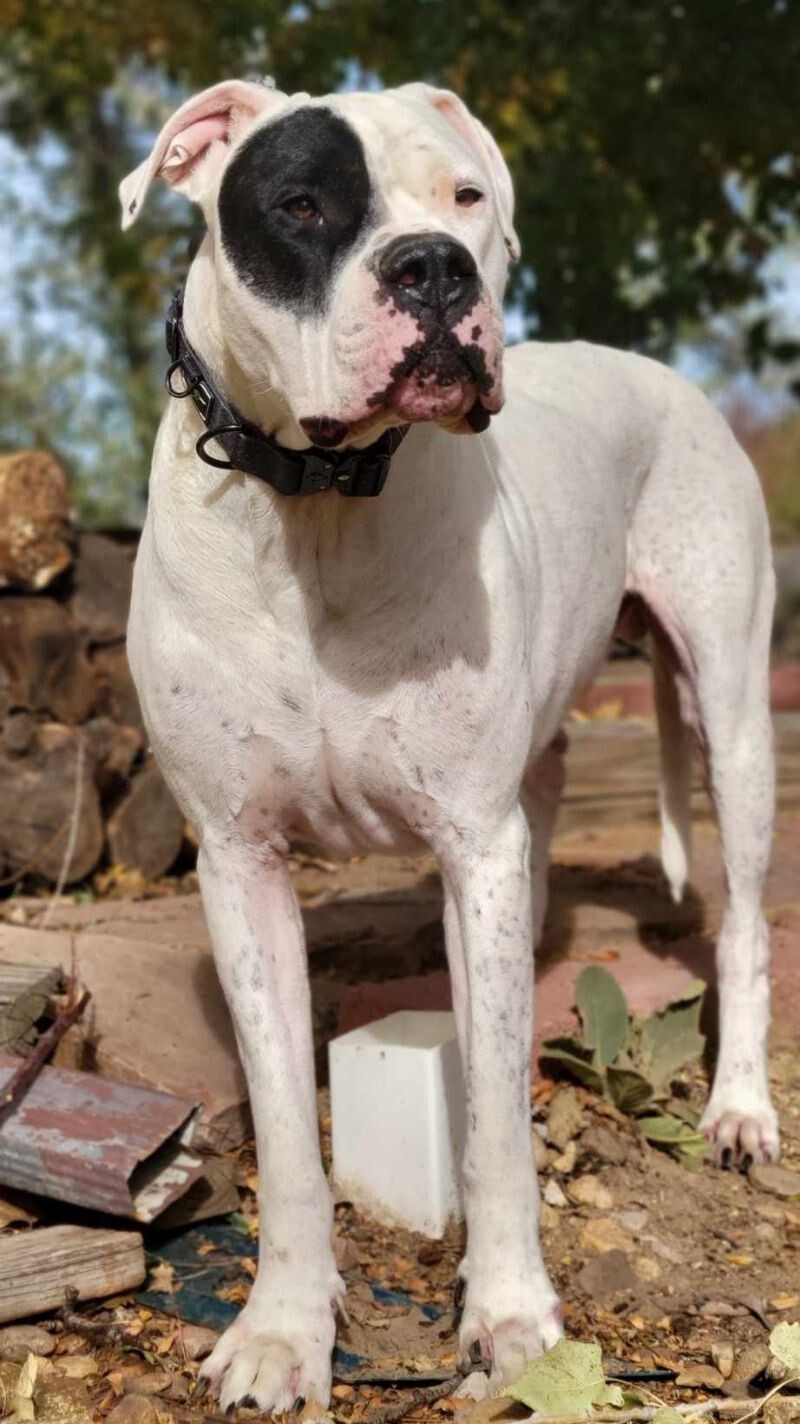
(382, 673)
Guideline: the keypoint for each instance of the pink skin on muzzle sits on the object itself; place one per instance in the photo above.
(385, 356)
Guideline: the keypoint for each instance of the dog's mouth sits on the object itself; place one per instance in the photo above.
(439, 380)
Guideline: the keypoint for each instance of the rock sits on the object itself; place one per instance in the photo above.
(565, 1161)
(722, 1355)
(145, 831)
(634, 1219)
(77, 1366)
(35, 521)
(665, 1250)
(607, 1274)
(553, 1195)
(197, 1341)
(102, 577)
(37, 793)
(549, 1217)
(605, 1234)
(43, 658)
(722, 1308)
(147, 1384)
(565, 1118)
(117, 696)
(17, 1342)
(541, 1156)
(751, 1361)
(647, 1269)
(699, 1377)
(737, 1389)
(604, 1145)
(778, 1181)
(589, 1191)
(133, 1409)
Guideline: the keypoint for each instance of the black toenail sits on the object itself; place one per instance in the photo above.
(746, 1162)
(298, 1404)
(726, 1159)
(247, 1402)
(459, 1293)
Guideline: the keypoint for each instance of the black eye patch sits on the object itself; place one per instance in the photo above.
(287, 260)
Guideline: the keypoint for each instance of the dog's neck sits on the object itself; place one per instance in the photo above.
(261, 404)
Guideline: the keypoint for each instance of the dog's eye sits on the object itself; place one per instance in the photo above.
(467, 196)
(301, 206)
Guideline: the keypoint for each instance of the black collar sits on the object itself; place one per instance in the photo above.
(353, 472)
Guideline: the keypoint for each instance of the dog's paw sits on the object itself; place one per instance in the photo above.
(261, 1362)
(507, 1342)
(740, 1131)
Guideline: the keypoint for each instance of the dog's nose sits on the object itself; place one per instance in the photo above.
(433, 272)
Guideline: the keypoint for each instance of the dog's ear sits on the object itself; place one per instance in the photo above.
(201, 128)
(455, 111)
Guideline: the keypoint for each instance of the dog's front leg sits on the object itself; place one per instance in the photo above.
(511, 1311)
(279, 1348)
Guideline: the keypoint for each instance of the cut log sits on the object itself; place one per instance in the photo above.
(114, 748)
(27, 993)
(102, 576)
(44, 660)
(117, 696)
(38, 1268)
(35, 521)
(37, 793)
(146, 830)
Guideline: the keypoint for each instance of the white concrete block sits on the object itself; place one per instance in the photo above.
(398, 1114)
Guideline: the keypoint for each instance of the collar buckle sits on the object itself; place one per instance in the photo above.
(319, 474)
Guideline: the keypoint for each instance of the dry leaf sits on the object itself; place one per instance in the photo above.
(162, 1279)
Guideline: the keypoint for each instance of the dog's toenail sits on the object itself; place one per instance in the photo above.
(298, 1404)
(746, 1162)
(726, 1159)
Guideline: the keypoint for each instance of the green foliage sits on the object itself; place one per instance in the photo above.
(646, 197)
(567, 1380)
(634, 1061)
(604, 1014)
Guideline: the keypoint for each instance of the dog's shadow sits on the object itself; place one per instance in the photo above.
(594, 913)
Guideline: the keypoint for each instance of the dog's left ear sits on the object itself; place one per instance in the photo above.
(203, 126)
(455, 111)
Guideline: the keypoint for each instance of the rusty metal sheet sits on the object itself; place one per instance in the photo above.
(110, 1146)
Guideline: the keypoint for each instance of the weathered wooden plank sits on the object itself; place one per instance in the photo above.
(37, 1268)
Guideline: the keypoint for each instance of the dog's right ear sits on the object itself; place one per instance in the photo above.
(198, 133)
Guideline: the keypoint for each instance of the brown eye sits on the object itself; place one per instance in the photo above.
(467, 197)
(301, 206)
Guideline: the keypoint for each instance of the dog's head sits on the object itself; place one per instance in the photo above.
(360, 248)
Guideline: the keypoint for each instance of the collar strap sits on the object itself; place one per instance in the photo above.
(351, 472)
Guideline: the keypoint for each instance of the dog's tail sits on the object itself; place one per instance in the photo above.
(675, 787)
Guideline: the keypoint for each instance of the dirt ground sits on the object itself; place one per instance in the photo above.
(677, 1274)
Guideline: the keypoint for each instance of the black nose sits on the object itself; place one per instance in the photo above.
(430, 272)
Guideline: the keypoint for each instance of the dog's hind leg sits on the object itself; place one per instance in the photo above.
(541, 798)
(700, 559)
(279, 1347)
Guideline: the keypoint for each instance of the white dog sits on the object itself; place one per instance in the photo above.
(390, 673)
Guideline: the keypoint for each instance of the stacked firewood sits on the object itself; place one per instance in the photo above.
(78, 788)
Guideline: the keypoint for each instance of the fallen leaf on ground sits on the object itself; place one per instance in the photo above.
(569, 1379)
(162, 1279)
(784, 1344)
